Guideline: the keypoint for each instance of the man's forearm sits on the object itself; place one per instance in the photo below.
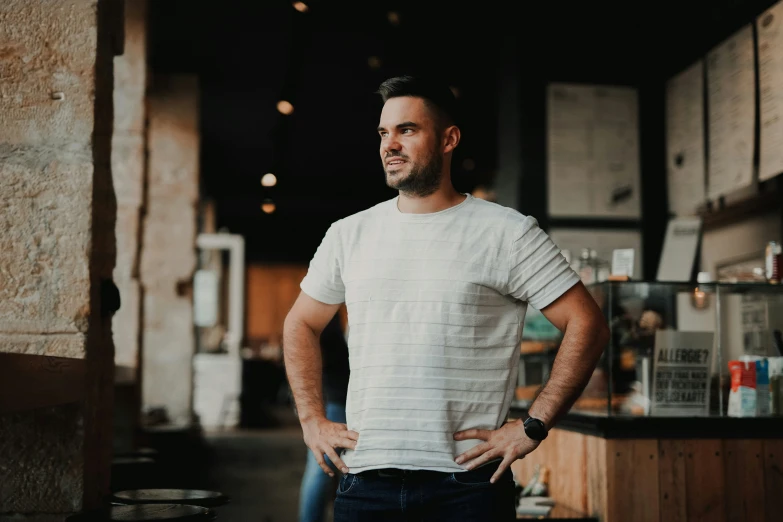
(302, 352)
(576, 359)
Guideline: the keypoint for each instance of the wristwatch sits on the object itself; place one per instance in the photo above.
(535, 429)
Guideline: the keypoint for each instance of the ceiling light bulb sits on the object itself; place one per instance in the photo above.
(301, 7)
(285, 107)
(394, 18)
(269, 180)
(374, 62)
(268, 206)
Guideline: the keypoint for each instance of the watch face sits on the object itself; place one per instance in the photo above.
(535, 429)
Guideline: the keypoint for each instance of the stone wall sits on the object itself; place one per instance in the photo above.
(57, 214)
(128, 163)
(168, 256)
(128, 170)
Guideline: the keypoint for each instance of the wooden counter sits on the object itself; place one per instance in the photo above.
(659, 479)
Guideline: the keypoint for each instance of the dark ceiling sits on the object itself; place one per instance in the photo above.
(250, 54)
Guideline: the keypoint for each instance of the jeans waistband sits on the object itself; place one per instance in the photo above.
(399, 474)
(415, 474)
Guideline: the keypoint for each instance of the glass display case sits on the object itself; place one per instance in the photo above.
(676, 349)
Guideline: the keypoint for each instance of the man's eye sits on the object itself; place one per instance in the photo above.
(407, 131)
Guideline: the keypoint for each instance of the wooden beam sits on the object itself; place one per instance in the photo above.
(29, 381)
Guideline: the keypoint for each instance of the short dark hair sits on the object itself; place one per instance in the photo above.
(438, 97)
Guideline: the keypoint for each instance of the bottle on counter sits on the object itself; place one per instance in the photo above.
(541, 487)
(595, 263)
(603, 269)
(773, 261)
(586, 269)
(742, 397)
(763, 395)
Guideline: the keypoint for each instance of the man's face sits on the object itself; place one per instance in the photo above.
(410, 146)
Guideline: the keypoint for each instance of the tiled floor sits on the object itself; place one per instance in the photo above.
(260, 470)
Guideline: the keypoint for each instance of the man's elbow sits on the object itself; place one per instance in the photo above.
(296, 325)
(291, 323)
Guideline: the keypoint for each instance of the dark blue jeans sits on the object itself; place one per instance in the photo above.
(426, 496)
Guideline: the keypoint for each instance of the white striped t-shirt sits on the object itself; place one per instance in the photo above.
(435, 305)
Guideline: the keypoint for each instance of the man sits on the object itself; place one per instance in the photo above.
(315, 488)
(436, 284)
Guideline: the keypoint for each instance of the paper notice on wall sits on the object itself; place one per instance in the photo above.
(756, 334)
(679, 249)
(622, 262)
(685, 162)
(593, 151)
(681, 374)
(731, 89)
(770, 48)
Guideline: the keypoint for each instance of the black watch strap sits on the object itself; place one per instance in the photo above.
(535, 429)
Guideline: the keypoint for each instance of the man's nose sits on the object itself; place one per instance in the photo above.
(391, 145)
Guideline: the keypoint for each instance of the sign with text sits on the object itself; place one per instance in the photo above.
(681, 376)
(622, 262)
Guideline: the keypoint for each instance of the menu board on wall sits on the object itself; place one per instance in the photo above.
(770, 36)
(731, 97)
(685, 140)
(593, 151)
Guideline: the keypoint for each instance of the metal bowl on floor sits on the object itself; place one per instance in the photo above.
(193, 497)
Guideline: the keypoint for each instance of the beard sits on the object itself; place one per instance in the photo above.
(422, 180)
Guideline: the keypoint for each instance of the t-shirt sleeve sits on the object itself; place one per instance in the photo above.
(324, 281)
(538, 271)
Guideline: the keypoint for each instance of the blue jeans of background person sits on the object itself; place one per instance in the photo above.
(316, 485)
(429, 496)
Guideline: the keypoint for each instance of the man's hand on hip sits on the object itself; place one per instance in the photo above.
(508, 442)
(323, 436)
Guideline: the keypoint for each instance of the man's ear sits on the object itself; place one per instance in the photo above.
(451, 137)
